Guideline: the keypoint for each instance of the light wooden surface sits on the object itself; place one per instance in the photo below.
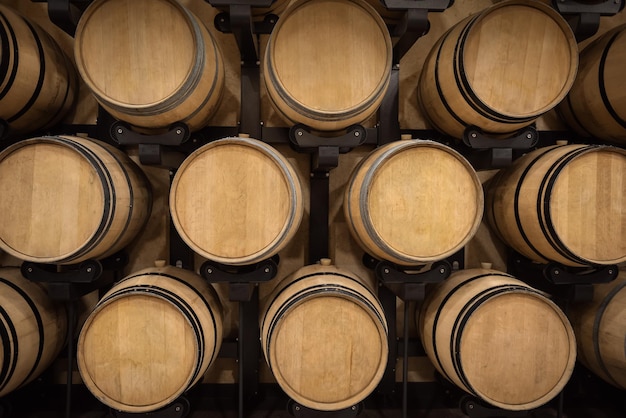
(69, 199)
(596, 103)
(150, 338)
(143, 77)
(325, 73)
(35, 328)
(498, 339)
(413, 202)
(599, 328)
(38, 84)
(563, 203)
(236, 201)
(324, 336)
(499, 69)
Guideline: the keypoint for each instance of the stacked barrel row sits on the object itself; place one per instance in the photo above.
(238, 201)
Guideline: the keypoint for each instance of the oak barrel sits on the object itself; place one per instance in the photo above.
(498, 70)
(596, 103)
(142, 77)
(66, 199)
(413, 202)
(600, 328)
(323, 73)
(236, 201)
(38, 82)
(497, 338)
(324, 336)
(150, 338)
(33, 330)
(562, 203)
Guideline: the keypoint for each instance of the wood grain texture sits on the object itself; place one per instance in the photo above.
(39, 83)
(236, 201)
(499, 69)
(327, 63)
(596, 103)
(142, 77)
(69, 199)
(599, 327)
(150, 338)
(498, 339)
(413, 202)
(563, 203)
(34, 330)
(324, 337)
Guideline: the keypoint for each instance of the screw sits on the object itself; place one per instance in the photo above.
(30, 269)
(470, 406)
(300, 133)
(178, 409)
(556, 272)
(357, 134)
(297, 408)
(442, 270)
(209, 271)
(386, 271)
(120, 131)
(610, 271)
(89, 269)
(267, 269)
(529, 135)
(354, 407)
(473, 134)
(179, 131)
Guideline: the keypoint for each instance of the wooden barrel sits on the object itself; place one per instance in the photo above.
(66, 199)
(498, 70)
(596, 103)
(323, 73)
(150, 338)
(236, 201)
(562, 203)
(142, 77)
(600, 328)
(497, 338)
(324, 336)
(38, 82)
(403, 202)
(33, 330)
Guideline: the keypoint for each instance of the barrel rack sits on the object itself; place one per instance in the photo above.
(169, 149)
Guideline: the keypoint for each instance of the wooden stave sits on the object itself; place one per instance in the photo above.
(460, 108)
(195, 299)
(125, 215)
(360, 226)
(534, 236)
(193, 104)
(322, 120)
(292, 222)
(451, 367)
(331, 280)
(43, 325)
(45, 88)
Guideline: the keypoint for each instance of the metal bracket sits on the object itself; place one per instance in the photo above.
(260, 272)
(304, 141)
(222, 23)
(64, 14)
(569, 284)
(297, 410)
(490, 152)
(475, 408)
(178, 409)
(151, 146)
(584, 17)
